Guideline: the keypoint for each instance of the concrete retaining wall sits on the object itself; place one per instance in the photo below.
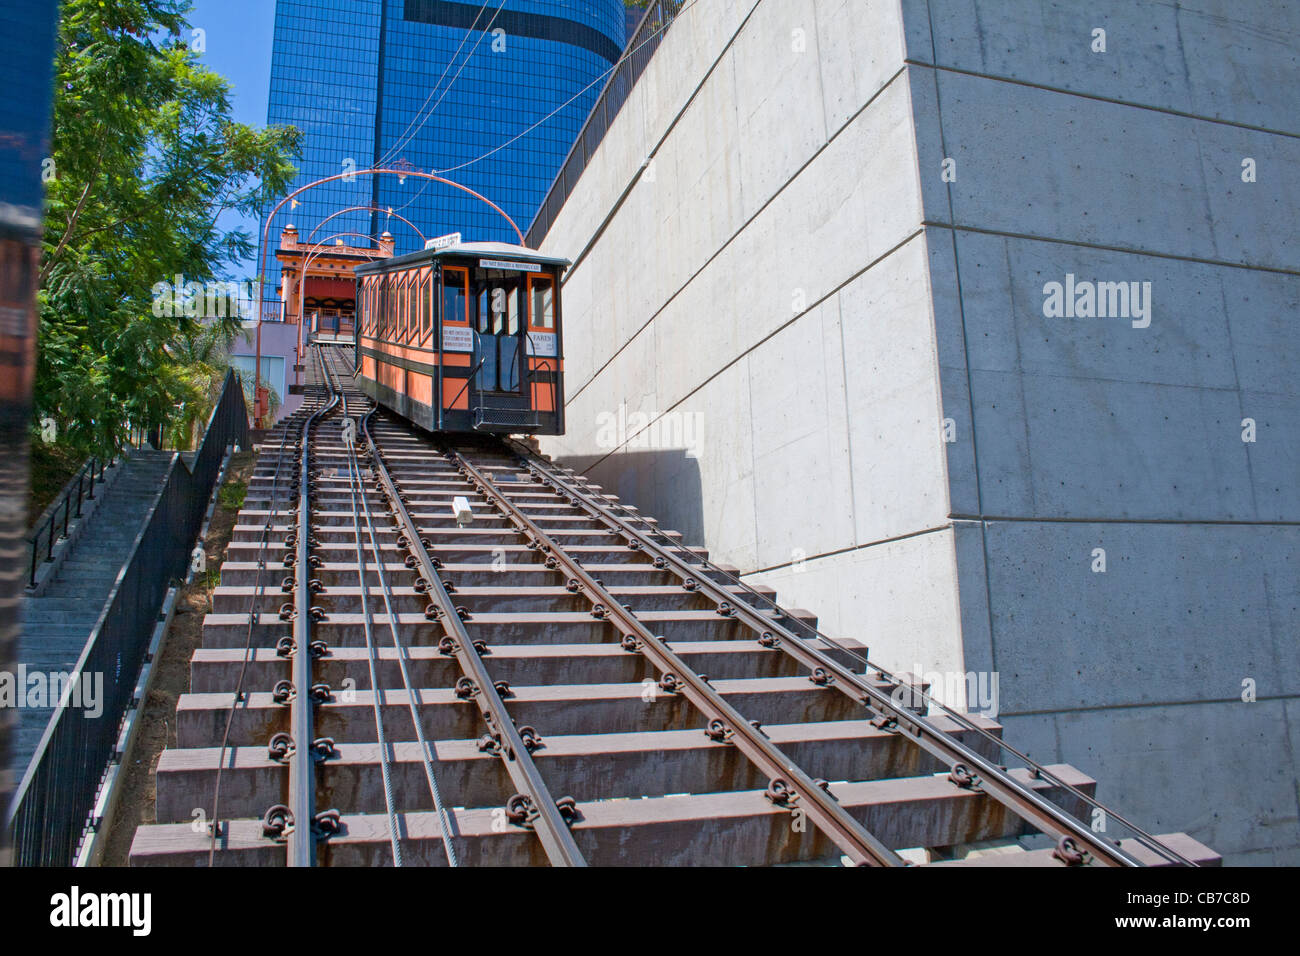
(778, 283)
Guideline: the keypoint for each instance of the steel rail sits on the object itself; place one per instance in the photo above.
(789, 784)
(302, 766)
(427, 752)
(367, 621)
(259, 586)
(917, 692)
(547, 822)
(1022, 800)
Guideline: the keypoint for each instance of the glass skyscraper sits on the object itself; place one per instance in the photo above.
(442, 87)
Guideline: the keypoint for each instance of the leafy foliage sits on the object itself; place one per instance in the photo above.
(232, 494)
(52, 465)
(146, 159)
(200, 360)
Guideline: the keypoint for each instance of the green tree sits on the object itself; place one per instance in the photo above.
(200, 361)
(273, 400)
(146, 160)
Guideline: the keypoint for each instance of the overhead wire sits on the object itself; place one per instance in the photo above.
(601, 77)
(409, 134)
(398, 144)
(630, 51)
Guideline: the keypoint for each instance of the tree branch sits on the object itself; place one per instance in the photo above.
(72, 220)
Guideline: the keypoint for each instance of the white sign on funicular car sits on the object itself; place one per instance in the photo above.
(509, 266)
(457, 338)
(443, 242)
(542, 343)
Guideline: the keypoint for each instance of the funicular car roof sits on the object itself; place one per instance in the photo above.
(465, 250)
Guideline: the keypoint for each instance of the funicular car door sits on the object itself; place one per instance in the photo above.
(501, 392)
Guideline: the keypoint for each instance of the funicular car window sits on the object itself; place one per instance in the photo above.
(543, 312)
(408, 334)
(426, 304)
(454, 294)
(512, 311)
(404, 309)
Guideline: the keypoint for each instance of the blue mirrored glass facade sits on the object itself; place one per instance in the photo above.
(442, 86)
(27, 37)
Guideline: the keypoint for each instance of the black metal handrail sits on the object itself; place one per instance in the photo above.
(452, 405)
(477, 367)
(555, 383)
(154, 436)
(53, 804)
(659, 15)
(84, 480)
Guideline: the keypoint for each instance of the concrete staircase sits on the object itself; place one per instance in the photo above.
(57, 624)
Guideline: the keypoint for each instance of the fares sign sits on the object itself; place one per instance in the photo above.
(542, 343)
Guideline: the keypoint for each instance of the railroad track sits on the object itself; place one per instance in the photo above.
(432, 650)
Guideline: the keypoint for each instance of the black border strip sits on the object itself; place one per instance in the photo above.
(536, 26)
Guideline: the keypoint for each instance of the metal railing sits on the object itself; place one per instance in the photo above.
(659, 15)
(555, 385)
(452, 405)
(270, 309)
(147, 436)
(79, 489)
(53, 804)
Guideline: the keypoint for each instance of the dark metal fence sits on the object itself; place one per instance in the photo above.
(52, 526)
(53, 804)
(659, 15)
(153, 436)
(269, 309)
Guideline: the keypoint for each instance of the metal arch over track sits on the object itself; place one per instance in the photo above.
(545, 639)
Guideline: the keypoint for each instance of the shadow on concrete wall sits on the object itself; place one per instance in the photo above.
(664, 484)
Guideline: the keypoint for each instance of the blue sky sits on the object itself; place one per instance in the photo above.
(238, 38)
